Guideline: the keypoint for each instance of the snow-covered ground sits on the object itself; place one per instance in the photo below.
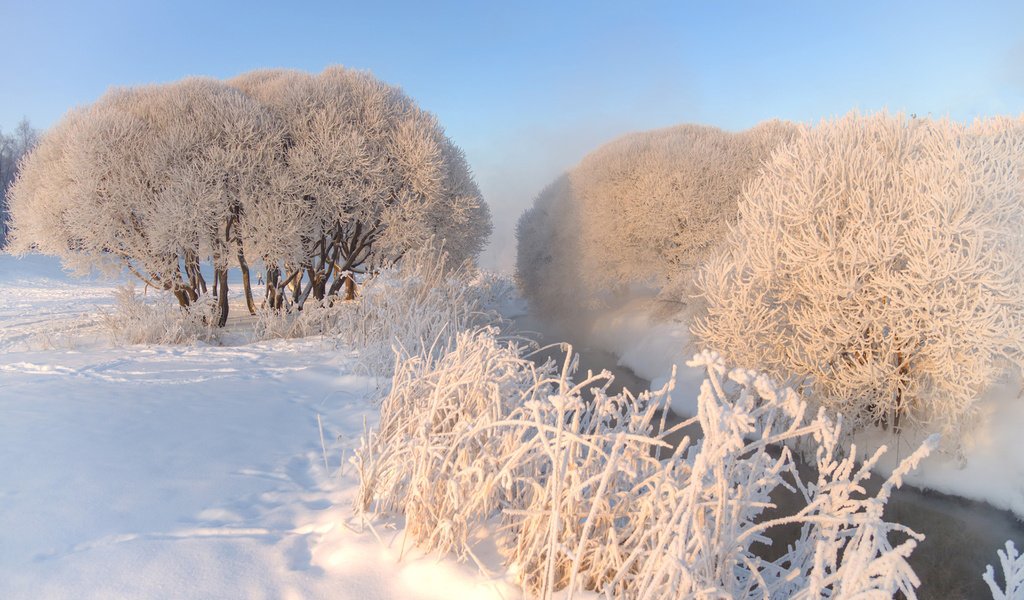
(184, 472)
(991, 468)
(198, 471)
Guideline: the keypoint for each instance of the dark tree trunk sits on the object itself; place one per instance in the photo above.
(221, 282)
(300, 301)
(901, 402)
(194, 274)
(339, 280)
(292, 283)
(182, 297)
(246, 284)
(273, 279)
(297, 286)
(181, 289)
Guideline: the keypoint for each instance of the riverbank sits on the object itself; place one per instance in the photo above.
(963, 530)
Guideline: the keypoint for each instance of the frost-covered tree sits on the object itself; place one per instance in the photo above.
(152, 180)
(654, 204)
(646, 208)
(548, 249)
(880, 260)
(366, 176)
(312, 177)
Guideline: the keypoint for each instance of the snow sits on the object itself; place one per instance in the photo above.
(189, 471)
(990, 469)
(198, 471)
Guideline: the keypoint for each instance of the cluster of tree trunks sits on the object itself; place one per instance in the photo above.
(331, 270)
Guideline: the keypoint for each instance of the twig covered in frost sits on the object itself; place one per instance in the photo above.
(588, 495)
(1013, 572)
(135, 321)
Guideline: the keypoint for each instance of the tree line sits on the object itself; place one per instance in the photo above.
(13, 146)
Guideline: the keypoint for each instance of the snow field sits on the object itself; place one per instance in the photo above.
(185, 472)
(198, 471)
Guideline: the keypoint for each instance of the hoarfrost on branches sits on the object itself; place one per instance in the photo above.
(367, 175)
(589, 495)
(879, 260)
(1012, 564)
(13, 147)
(646, 208)
(148, 179)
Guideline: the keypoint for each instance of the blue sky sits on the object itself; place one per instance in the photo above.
(528, 88)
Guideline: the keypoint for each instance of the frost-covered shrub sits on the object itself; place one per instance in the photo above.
(13, 146)
(136, 321)
(366, 176)
(493, 291)
(654, 204)
(417, 304)
(646, 208)
(425, 460)
(420, 302)
(880, 261)
(316, 318)
(588, 495)
(149, 180)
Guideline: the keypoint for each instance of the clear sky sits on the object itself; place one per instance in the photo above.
(527, 89)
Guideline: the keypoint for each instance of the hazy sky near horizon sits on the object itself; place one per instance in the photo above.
(528, 88)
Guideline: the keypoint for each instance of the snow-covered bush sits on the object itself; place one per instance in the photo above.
(135, 321)
(879, 260)
(313, 177)
(13, 146)
(315, 319)
(646, 208)
(655, 203)
(589, 495)
(424, 460)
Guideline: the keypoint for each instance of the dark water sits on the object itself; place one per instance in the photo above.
(590, 359)
(962, 536)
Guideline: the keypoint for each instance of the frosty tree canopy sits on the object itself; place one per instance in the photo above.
(645, 208)
(313, 177)
(880, 258)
